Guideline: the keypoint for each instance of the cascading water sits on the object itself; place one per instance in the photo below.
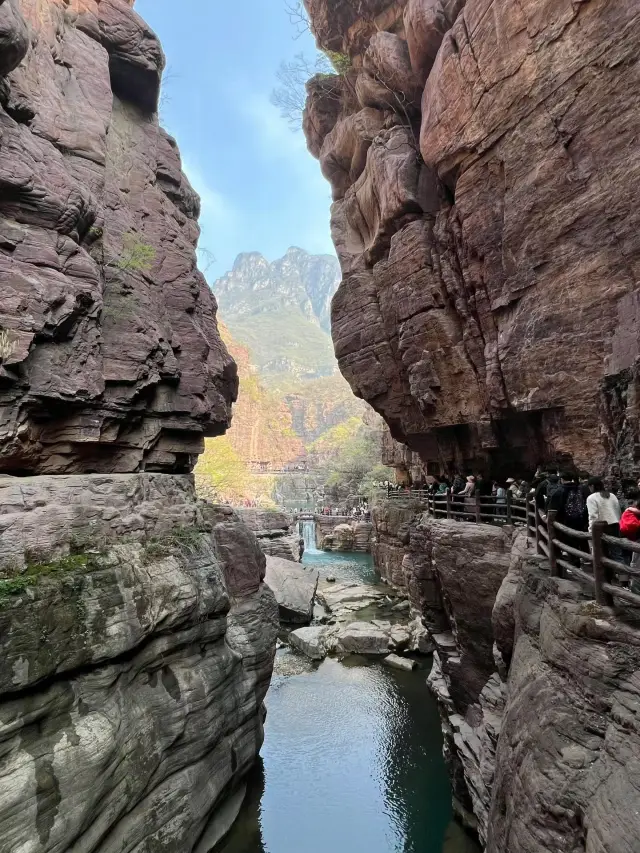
(309, 536)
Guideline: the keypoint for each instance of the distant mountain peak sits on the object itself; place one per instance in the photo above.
(297, 279)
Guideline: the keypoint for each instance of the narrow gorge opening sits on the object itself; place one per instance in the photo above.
(319, 471)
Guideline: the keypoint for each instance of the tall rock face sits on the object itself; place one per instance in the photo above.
(110, 359)
(137, 636)
(484, 162)
(537, 685)
(137, 645)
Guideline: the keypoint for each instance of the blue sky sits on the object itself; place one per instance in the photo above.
(261, 190)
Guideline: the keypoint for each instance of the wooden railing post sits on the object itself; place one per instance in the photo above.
(448, 503)
(556, 570)
(600, 572)
(509, 497)
(478, 509)
(536, 521)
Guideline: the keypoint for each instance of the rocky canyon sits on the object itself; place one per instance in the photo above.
(136, 632)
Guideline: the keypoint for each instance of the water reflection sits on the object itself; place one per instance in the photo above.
(346, 567)
(352, 759)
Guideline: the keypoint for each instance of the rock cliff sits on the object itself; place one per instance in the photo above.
(136, 634)
(110, 359)
(337, 533)
(484, 162)
(537, 685)
(137, 643)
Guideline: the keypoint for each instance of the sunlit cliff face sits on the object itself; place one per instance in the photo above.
(111, 358)
(480, 162)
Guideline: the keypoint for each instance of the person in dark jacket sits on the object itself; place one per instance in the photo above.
(570, 505)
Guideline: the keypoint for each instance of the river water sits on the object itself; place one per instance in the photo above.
(352, 759)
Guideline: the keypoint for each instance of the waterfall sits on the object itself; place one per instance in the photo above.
(309, 535)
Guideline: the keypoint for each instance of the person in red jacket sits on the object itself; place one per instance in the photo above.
(630, 523)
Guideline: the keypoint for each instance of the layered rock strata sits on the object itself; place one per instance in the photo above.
(136, 634)
(276, 532)
(484, 163)
(110, 358)
(136, 647)
(341, 534)
(537, 688)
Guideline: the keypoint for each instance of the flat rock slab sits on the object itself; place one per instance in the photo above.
(396, 662)
(364, 638)
(294, 588)
(349, 596)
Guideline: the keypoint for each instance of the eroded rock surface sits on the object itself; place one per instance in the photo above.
(294, 588)
(342, 534)
(110, 358)
(134, 660)
(488, 235)
(537, 690)
(276, 532)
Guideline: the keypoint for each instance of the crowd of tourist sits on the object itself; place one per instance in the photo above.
(578, 499)
(360, 511)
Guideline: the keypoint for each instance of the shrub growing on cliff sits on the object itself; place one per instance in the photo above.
(349, 456)
(136, 255)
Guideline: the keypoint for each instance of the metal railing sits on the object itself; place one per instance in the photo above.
(405, 494)
(588, 557)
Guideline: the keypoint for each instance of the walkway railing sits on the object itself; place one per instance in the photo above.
(480, 508)
(588, 557)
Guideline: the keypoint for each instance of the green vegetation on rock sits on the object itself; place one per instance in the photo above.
(37, 570)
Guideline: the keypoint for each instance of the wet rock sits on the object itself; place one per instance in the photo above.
(294, 588)
(396, 662)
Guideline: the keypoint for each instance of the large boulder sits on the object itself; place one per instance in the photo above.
(294, 588)
(313, 641)
(276, 532)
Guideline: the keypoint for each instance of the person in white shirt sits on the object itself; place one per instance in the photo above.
(603, 505)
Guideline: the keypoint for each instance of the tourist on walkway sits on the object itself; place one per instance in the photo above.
(467, 494)
(571, 507)
(603, 505)
(501, 500)
(630, 525)
(458, 484)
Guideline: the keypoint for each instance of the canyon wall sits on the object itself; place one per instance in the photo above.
(342, 533)
(484, 162)
(110, 358)
(137, 646)
(136, 634)
(537, 685)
